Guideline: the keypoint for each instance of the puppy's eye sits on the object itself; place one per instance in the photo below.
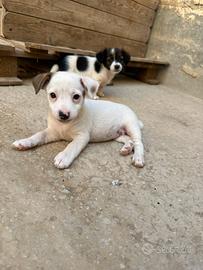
(76, 97)
(110, 58)
(52, 95)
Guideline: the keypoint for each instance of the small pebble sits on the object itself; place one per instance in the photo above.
(116, 183)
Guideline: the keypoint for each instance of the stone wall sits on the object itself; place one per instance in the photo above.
(177, 36)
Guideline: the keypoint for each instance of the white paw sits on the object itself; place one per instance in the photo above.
(21, 145)
(138, 161)
(96, 97)
(126, 150)
(62, 161)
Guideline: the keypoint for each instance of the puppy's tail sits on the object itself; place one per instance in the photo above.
(140, 124)
(54, 69)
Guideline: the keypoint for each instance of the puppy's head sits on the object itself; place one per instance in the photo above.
(66, 92)
(114, 59)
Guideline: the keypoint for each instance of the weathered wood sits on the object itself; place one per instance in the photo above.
(8, 70)
(128, 9)
(8, 66)
(134, 61)
(153, 4)
(28, 68)
(6, 45)
(57, 49)
(6, 81)
(147, 71)
(149, 75)
(74, 14)
(31, 29)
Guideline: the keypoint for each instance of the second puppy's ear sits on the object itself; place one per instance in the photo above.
(40, 81)
(101, 56)
(90, 86)
(126, 56)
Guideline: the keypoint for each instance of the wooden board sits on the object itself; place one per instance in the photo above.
(124, 8)
(31, 29)
(56, 49)
(5, 45)
(78, 15)
(8, 66)
(153, 4)
(6, 81)
(135, 60)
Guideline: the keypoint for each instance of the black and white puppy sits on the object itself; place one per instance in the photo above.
(102, 68)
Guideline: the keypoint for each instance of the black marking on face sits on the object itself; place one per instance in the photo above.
(82, 63)
(97, 66)
(122, 57)
(63, 64)
(105, 57)
(108, 55)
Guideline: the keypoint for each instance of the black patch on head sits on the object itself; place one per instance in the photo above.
(82, 63)
(63, 64)
(100, 56)
(97, 66)
(122, 56)
(105, 57)
(108, 55)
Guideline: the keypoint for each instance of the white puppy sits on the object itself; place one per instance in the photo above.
(80, 121)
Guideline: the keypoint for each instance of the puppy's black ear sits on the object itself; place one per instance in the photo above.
(126, 56)
(40, 81)
(101, 56)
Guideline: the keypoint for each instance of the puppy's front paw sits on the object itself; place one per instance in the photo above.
(22, 145)
(61, 161)
(96, 97)
(138, 161)
(100, 94)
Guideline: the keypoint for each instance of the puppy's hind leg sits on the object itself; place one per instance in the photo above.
(39, 138)
(128, 145)
(133, 130)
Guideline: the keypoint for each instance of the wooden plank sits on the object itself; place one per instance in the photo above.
(6, 81)
(128, 9)
(135, 60)
(148, 75)
(28, 68)
(74, 14)
(8, 66)
(6, 45)
(153, 4)
(57, 49)
(0, 19)
(31, 29)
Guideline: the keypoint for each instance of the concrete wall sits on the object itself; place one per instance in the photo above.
(177, 36)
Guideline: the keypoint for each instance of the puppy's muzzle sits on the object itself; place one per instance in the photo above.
(117, 68)
(64, 116)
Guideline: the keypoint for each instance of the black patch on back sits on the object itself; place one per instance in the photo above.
(63, 64)
(82, 63)
(97, 66)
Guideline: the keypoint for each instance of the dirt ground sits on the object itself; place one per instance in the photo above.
(74, 219)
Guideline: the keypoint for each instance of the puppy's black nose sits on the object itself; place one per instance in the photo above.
(64, 116)
(117, 67)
